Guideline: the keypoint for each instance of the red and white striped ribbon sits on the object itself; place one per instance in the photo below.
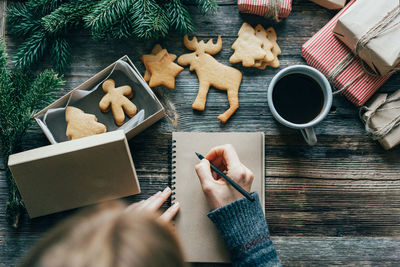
(260, 7)
(324, 51)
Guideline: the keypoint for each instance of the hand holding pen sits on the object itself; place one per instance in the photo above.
(218, 191)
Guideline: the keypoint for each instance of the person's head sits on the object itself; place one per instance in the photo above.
(108, 235)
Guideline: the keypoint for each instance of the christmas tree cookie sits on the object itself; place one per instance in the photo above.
(256, 47)
(81, 124)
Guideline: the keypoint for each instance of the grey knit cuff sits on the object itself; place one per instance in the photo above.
(240, 221)
(244, 229)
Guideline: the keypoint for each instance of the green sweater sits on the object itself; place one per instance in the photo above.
(244, 229)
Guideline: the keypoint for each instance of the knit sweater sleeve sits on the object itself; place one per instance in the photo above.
(244, 229)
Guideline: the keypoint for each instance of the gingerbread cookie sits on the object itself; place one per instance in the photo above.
(276, 50)
(118, 100)
(267, 44)
(248, 47)
(211, 73)
(163, 72)
(156, 54)
(81, 124)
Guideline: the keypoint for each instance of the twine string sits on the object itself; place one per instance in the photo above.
(380, 28)
(273, 9)
(339, 68)
(385, 129)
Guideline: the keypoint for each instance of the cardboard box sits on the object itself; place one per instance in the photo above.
(88, 95)
(71, 174)
(380, 117)
(331, 4)
(381, 53)
(76, 173)
(325, 52)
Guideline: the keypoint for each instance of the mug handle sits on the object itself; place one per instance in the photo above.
(309, 135)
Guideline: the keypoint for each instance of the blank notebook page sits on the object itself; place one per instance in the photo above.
(200, 239)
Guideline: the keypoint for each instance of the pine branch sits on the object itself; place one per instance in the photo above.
(45, 23)
(105, 16)
(45, 6)
(207, 6)
(149, 20)
(60, 54)
(20, 97)
(43, 89)
(22, 20)
(122, 29)
(179, 17)
(32, 50)
(67, 16)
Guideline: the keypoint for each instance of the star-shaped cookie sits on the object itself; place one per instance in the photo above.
(81, 124)
(118, 99)
(156, 54)
(163, 72)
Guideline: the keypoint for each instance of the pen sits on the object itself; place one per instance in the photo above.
(229, 180)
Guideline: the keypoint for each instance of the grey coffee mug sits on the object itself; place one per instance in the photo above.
(307, 129)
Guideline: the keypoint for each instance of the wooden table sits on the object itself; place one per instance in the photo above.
(335, 203)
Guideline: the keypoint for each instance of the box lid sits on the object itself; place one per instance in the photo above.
(74, 173)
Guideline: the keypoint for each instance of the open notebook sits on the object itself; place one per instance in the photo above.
(200, 239)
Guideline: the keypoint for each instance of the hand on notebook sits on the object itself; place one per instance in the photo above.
(154, 203)
(217, 191)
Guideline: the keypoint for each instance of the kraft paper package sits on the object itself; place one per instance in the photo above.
(371, 29)
(331, 4)
(382, 119)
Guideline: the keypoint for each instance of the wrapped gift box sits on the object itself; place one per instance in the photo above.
(381, 53)
(261, 7)
(76, 173)
(382, 119)
(325, 52)
(71, 174)
(331, 4)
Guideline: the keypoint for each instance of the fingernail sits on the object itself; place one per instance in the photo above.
(167, 190)
(176, 204)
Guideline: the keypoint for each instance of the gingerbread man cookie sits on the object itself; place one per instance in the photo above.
(81, 124)
(118, 100)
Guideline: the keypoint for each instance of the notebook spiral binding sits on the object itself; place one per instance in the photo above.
(173, 172)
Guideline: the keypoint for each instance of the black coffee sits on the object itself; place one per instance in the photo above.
(298, 98)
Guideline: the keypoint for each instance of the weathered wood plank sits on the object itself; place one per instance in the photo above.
(253, 100)
(338, 251)
(3, 7)
(310, 191)
(346, 185)
(310, 251)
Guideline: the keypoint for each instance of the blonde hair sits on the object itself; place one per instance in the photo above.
(105, 236)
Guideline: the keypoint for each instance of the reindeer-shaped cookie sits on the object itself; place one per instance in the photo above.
(211, 73)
